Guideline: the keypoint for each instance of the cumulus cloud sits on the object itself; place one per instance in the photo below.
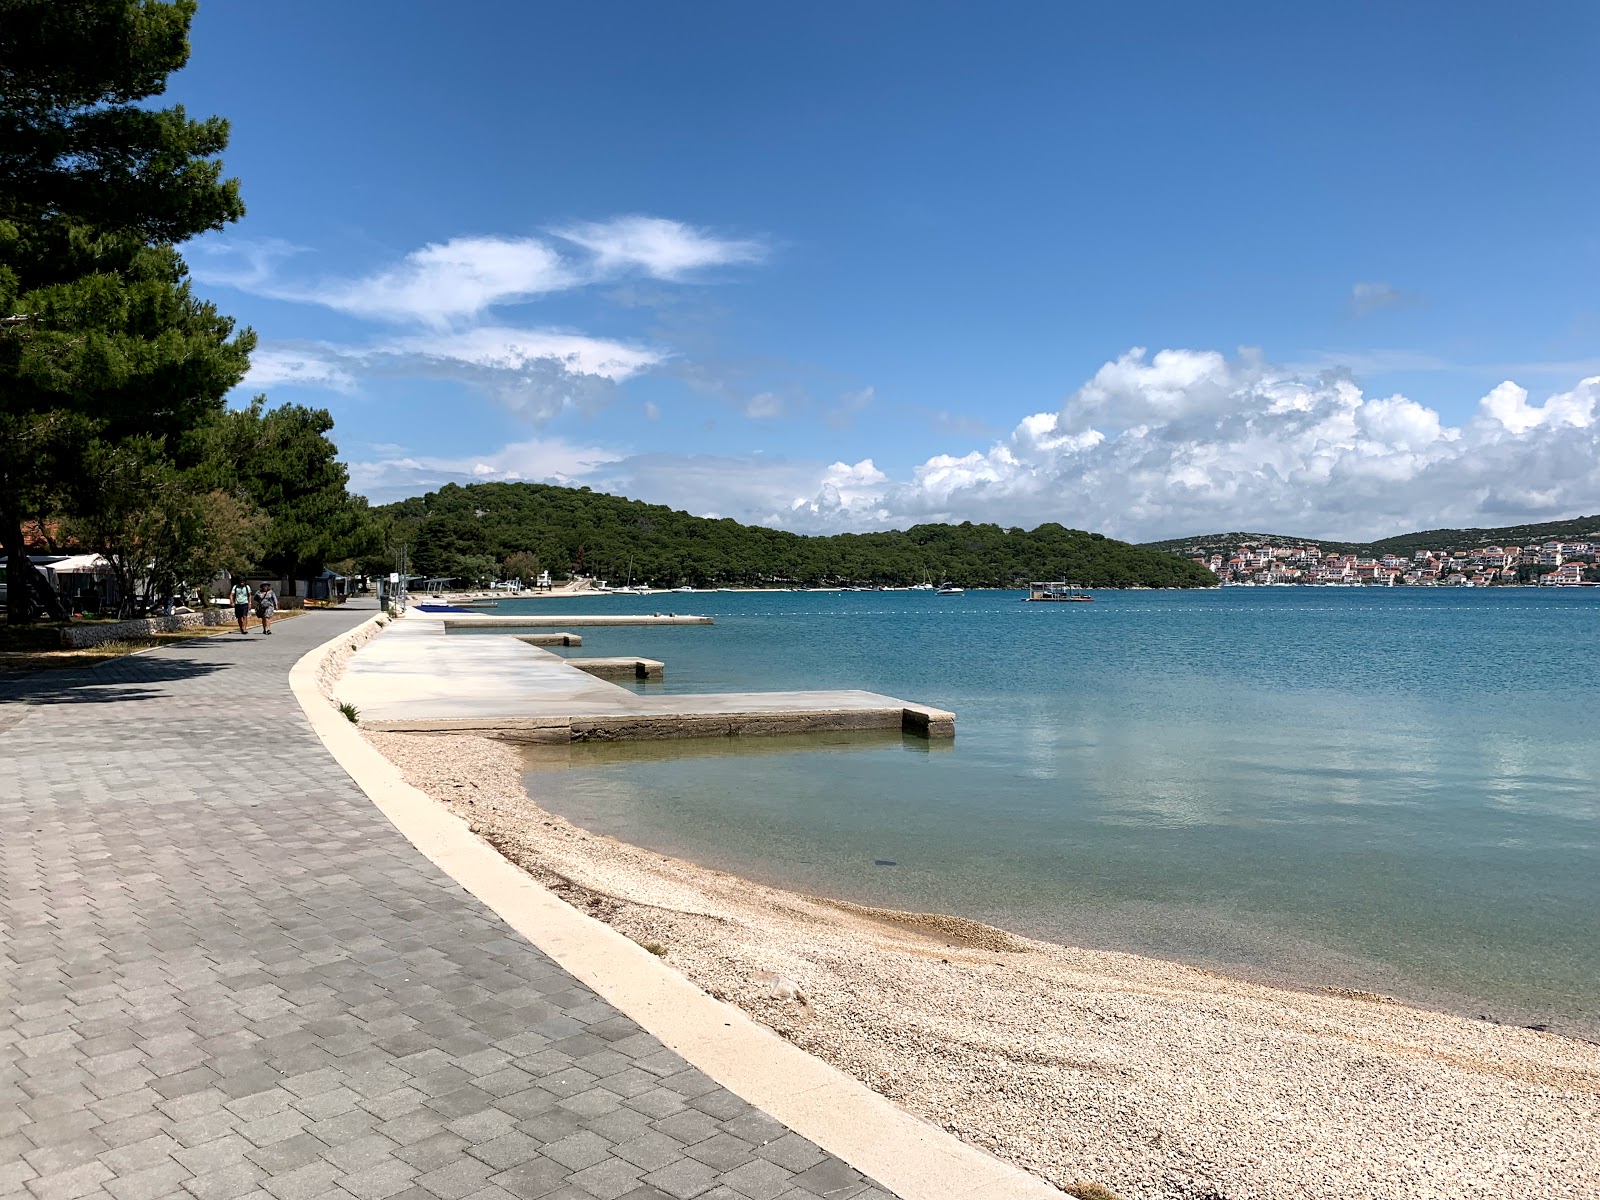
(1158, 446)
(658, 247)
(1191, 441)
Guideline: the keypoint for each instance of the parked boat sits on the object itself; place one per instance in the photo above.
(1058, 591)
(949, 589)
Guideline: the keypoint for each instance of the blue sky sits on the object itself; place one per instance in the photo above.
(1144, 268)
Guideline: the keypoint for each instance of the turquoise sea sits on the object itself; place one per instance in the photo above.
(1392, 790)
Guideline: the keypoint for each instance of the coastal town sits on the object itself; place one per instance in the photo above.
(1550, 564)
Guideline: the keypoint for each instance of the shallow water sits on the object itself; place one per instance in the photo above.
(1391, 790)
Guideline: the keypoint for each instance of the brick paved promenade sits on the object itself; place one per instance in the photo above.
(224, 974)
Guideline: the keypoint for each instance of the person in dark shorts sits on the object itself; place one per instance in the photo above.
(241, 603)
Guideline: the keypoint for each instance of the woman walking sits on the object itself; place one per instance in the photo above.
(266, 606)
(241, 603)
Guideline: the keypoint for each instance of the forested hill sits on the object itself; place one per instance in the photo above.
(469, 531)
(1403, 544)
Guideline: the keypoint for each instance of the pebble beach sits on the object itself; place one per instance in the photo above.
(1155, 1080)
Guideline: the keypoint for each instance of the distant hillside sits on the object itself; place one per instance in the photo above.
(1404, 544)
(452, 532)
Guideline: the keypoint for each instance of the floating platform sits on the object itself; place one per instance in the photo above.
(416, 678)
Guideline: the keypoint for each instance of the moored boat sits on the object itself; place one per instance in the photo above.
(1058, 591)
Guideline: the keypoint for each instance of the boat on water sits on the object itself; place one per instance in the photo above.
(1058, 591)
(949, 589)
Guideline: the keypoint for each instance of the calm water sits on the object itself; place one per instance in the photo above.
(1392, 790)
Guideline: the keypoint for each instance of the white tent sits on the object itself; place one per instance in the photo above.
(80, 564)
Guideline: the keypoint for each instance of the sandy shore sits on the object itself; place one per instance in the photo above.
(1147, 1077)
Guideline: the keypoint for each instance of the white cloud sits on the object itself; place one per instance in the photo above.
(659, 247)
(1189, 441)
(541, 460)
(1370, 296)
(763, 407)
(536, 373)
(284, 365)
(460, 279)
(505, 348)
(449, 280)
(1183, 442)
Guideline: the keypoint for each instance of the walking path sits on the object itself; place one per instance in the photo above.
(224, 974)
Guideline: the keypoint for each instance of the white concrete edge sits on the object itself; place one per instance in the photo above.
(906, 1154)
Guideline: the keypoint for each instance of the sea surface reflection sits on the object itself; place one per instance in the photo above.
(1389, 790)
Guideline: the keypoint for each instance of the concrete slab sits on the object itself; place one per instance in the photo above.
(468, 621)
(417, 677)
(620, 668)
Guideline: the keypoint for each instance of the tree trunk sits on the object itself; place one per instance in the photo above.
(28, 591)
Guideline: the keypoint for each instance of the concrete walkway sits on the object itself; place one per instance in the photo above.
(224, 974)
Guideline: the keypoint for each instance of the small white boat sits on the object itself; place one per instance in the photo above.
(949, 589)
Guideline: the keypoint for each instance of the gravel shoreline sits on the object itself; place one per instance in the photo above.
(1157, 1080)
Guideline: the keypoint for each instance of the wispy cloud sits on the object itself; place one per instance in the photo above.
(658, 247)
(1368, 297)
(537, 374)
(460, 279)
(454, 292)
(300, 366)
(543, 460)
(446, 281)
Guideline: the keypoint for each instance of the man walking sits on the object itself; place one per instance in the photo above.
(266, 606)
(241, 603)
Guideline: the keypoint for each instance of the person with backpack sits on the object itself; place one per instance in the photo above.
(241, 603)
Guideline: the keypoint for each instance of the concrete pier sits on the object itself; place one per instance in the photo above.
(417, 678)
(474, 621)
(548, 639)
(620, 668)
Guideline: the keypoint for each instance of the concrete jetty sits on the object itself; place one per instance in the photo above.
(620, 668)
(417, 678)
(475, 621)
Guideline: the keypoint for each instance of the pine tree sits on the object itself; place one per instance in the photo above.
(105, 353)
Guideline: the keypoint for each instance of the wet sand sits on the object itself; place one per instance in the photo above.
(1151, 1078)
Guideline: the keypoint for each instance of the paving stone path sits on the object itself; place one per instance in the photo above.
(224, 974)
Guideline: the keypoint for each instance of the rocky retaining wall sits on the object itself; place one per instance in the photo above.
(76, 637)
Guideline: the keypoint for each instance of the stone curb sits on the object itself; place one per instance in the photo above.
(842, 1116)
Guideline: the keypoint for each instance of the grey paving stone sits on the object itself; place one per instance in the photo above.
(683, 1179)
(228, 977)
(759, 1179)
(533, 1179)
(608, 1179)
